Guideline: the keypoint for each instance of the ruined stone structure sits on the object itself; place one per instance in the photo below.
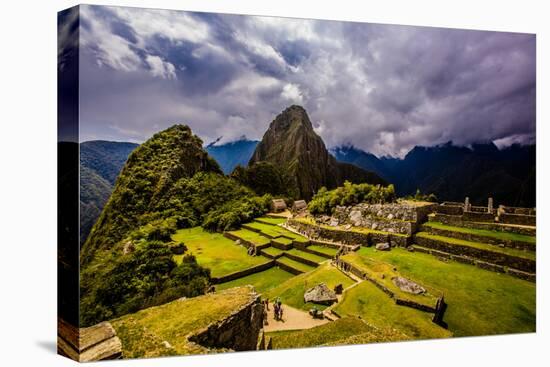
(401, 217)
(240, 331)
(465, 212)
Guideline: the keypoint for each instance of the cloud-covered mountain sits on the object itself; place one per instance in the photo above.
(454, 172)
(229, 155)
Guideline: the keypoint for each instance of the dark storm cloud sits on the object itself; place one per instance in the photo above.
(379, 87)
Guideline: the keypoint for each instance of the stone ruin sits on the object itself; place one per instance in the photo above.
(503, 214)
(401, 217)
(320, 294)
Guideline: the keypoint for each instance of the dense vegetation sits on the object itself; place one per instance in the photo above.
(325, 201)
(266, 178)
(168, 183)
(146, 277)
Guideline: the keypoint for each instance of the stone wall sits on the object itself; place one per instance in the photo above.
(521, 219)
(478, 217)
(348, 237)
(240, 331)
(517, 210)
(450, 209)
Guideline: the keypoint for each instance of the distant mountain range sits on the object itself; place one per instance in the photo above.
(449, 171)
(453, 172)
(231, 154)
(100, 164)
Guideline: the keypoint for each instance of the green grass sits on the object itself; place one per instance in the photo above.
(375, 307)
(505, 236)
(269, 220)
(251, 236)
(262, 281)
(143, 332)
(338, 332)
(295, 264)
(212, 250)
(292, 291)
(283, 241)
(481, 246)
(324, 249)
(272, 251)
(306, 255)
(383, 273)
(276, 231)
(480, 302)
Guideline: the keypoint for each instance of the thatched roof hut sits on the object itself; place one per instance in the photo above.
(278, 205)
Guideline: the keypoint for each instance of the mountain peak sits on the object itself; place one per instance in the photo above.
(291, 144)
(294, 115)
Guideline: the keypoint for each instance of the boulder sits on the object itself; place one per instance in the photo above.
(355, 217)
(320, 294)
(408, 286)
(383, 246)
(390, 216)
(333, 222)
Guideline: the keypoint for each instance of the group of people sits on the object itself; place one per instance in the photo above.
(277, 309)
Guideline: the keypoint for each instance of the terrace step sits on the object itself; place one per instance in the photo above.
(249, 238)
(326, 252)
(506, 257)
(282, 243)
(481, 264)
(304, 257)
(292, 266)
(497, 238)
(271, 252)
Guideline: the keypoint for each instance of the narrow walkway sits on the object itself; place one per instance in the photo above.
(293, 319)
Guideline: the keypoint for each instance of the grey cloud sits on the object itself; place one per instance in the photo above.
(382, 88)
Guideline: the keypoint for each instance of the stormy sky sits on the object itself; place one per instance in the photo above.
(382, 88)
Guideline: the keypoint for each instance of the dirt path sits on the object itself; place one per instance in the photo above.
(293, 319)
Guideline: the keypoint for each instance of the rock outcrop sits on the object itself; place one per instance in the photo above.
(320, 294)
(408, 286)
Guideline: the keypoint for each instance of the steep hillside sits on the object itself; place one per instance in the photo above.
(100, 164)
(230, 155)
(453, 172)
(168, 183)
(151, 170)
(292, 145)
